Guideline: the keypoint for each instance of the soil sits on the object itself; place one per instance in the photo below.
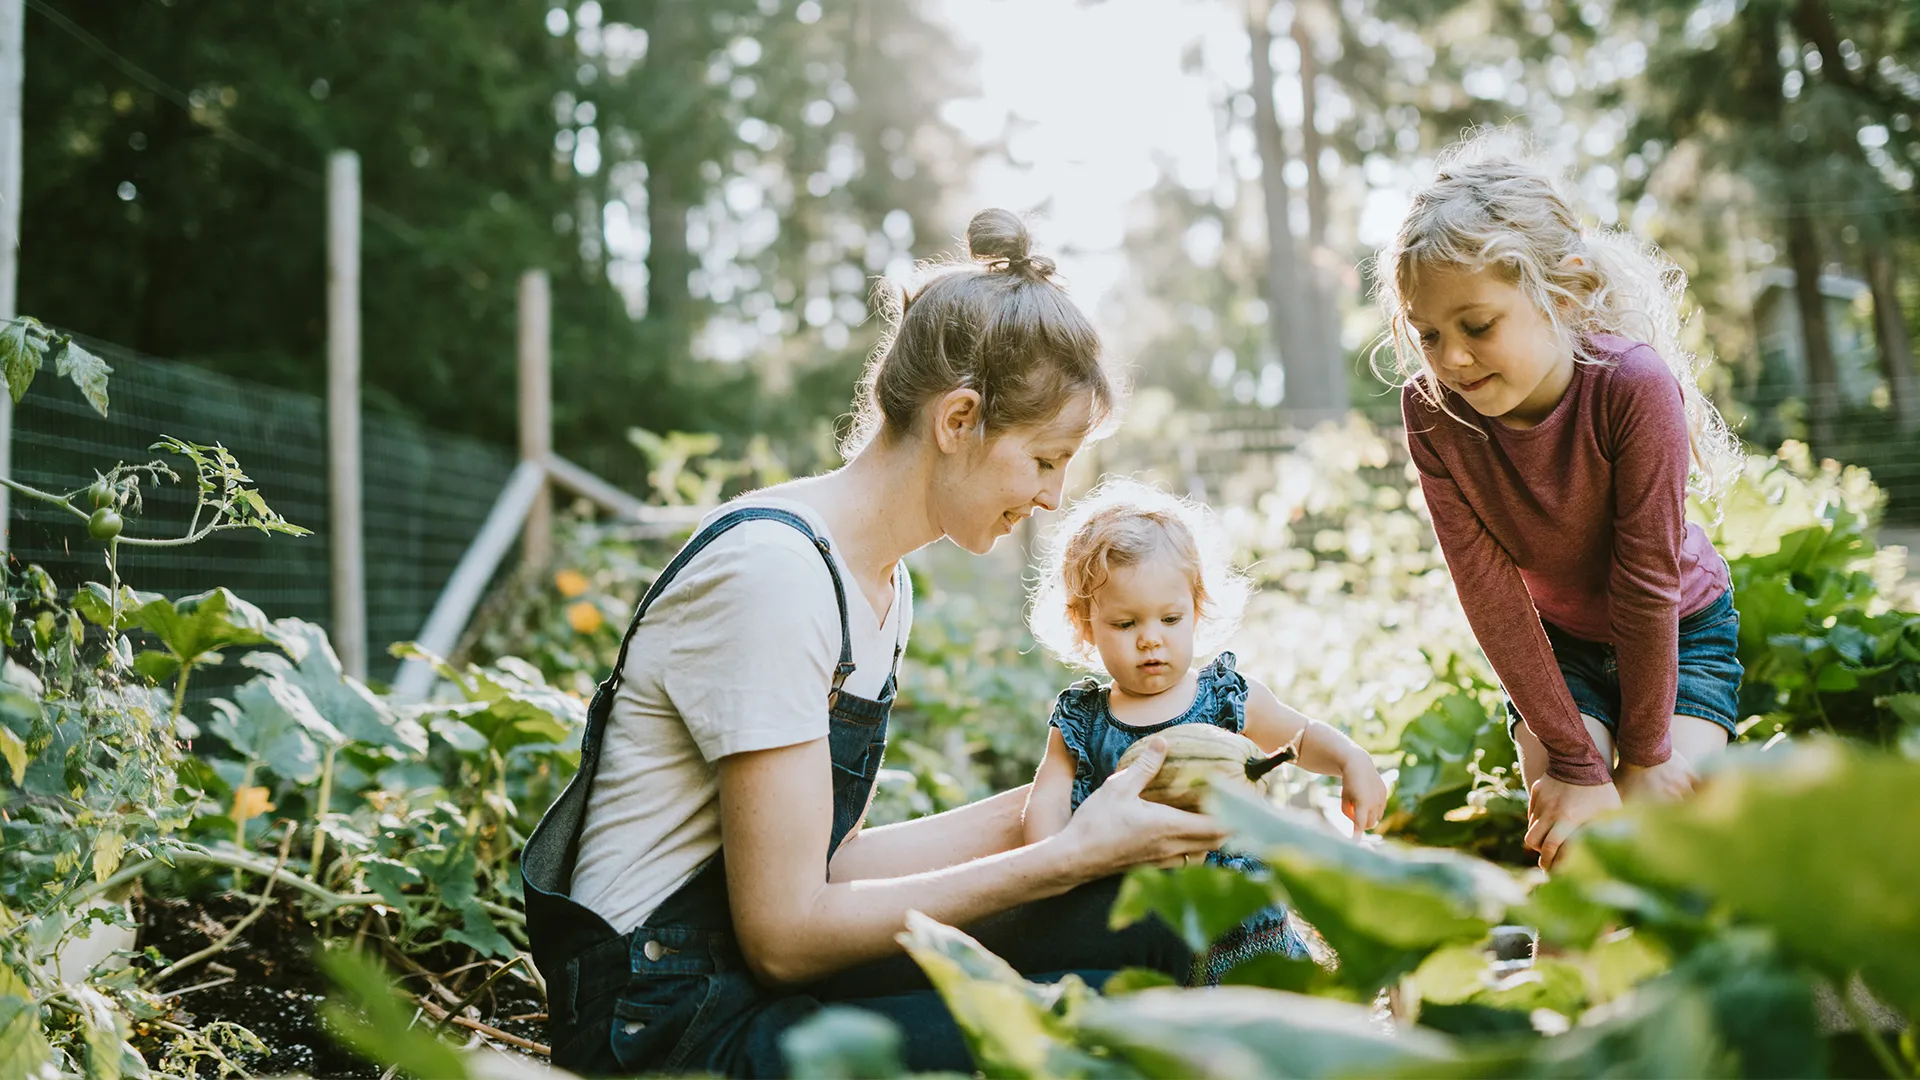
(276, 990)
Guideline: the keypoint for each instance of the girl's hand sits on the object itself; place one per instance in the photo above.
(1556, 808)
(1363, 793)
(1116, 829)
(1672, 779)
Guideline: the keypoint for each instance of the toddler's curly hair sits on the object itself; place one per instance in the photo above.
(1124, 523)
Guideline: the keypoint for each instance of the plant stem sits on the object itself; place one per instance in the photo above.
(1870, 1032)
(180, 696)
(319, 836)
(195, 855)
(233, 933)
(45, 497)
(239, 822)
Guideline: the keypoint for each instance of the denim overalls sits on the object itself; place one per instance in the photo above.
(674, 994)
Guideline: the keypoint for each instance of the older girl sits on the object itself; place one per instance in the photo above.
(1552, 413)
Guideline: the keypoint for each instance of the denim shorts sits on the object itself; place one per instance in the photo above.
(1710, 670)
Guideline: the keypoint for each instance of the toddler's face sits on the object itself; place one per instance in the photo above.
(1486, 341)
(1142, 625)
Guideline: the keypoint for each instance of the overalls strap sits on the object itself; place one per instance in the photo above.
(558, 928)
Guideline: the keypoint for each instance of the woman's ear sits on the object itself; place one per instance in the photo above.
(956, 418)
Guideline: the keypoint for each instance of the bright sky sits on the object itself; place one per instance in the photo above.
(1098, 99)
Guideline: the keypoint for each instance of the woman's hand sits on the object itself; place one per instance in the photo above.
(1363, 792)
(1556, 808)
(1672, 779)
(1116, 829)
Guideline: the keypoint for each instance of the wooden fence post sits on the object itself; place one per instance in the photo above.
(536, 411)
(344, 535)
(13, 29)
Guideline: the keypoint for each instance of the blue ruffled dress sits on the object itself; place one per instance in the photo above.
(1087, 725)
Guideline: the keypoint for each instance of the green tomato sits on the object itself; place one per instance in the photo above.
(100, 494)
(104, 524)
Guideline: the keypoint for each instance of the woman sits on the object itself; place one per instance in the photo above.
(704, 882)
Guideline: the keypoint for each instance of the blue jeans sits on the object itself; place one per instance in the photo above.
(1710, 671)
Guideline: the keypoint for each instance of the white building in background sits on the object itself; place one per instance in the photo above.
(1783, 359)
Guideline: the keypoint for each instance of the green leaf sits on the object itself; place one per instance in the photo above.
(24, 1051)
(841, 1043)
(520, 708)
(271, 721)
(104, 1031)
(1201, 903)
(94, 602)
(385, 1034)
(1460, 975)
(1845, 898)
(477, 931)
(343, 700)
(23, 344)
(14, 750)
(162, 667)
(87, 371)
(196, 625)
(1381, 909)
(1135, 979)
(1008, 1022)
(1234, 1031)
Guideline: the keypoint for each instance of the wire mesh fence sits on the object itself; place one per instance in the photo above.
(426, 494)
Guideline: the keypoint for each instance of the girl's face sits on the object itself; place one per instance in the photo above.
(984, 489)
(1486, 341)
(1142, 624)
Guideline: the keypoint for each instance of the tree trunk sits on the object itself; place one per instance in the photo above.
(1320, 263)
(1890, 334)
(673, 181)
(1815, 23)
(1823, 376)
(1310, 141)
(1292, 300)
(1803, 251)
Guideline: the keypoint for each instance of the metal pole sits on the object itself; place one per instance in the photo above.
(13, 70)
(536, 411)
(343, 412)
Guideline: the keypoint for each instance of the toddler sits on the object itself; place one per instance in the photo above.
(1137, 586)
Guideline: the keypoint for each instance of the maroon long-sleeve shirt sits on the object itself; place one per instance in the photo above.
(1581, 521)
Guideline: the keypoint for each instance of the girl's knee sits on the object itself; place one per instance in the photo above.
(1695, 737)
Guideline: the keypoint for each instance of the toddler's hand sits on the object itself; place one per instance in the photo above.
(1363, 793)
(1672, 779)
(1556, 808)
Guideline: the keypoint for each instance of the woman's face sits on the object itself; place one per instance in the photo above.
(986, 487)
(1486, 341)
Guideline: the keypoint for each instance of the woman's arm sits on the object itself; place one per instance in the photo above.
(978, 829)
(776, 809)
(1050, 800)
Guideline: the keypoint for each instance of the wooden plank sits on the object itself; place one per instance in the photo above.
(535, 348)
(464, 589)
(345, 535)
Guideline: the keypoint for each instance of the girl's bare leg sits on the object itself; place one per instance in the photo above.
(1696, 739)
(1533, 753)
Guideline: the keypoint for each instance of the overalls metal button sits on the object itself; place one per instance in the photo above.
(652, 950)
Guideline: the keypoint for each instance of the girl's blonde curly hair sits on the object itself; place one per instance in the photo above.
(1125, 523)
(1492, 208)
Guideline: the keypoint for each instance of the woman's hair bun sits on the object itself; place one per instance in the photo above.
(1000, 239)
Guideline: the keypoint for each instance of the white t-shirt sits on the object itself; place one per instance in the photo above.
(736, 655)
